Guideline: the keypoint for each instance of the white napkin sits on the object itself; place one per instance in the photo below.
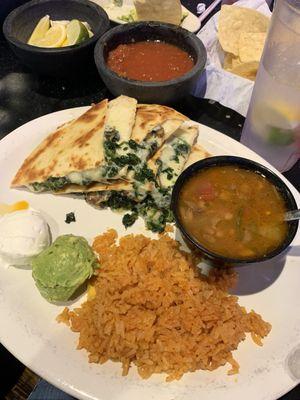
(217, 84)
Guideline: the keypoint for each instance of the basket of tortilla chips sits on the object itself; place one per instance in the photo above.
(242, 33)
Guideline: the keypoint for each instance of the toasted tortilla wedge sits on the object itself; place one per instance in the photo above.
(149, 116)
(75, 146)
(169, 160)
(198, 153)
(121, 116)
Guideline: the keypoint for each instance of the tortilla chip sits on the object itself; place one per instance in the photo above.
(245, 70)
(169, 11)
(233, 20)
(251, 46)
(228, 58)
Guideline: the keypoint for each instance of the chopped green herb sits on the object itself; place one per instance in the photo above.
(111, 134)
(181, 148)
(169, 172)
(129, 159)
(133, 145)
(70, 217)
(144, 174)
(129, 219)
(120, 201)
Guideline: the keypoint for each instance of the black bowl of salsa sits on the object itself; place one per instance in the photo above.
(231, 209)
(151, 61)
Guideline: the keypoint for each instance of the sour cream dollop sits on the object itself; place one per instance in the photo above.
(23, 235)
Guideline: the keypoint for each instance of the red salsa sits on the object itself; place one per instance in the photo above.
(151, 61)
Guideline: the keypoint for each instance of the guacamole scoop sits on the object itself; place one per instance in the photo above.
(63, 267)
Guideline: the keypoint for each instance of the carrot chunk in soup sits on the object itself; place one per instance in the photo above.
(233, 212)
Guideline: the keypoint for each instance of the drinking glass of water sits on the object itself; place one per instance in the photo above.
(272, 126)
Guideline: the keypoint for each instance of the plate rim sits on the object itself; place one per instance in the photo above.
(55, 380)
(184, 9)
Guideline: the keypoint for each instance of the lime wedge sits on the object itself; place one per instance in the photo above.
(275, 122)
(40, 30)
(76, 32)
(281, 137)
(54, 37)
(90, 33)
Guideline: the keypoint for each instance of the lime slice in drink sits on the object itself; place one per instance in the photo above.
(76, 32)
(280, 137)
(275, 122)
(54, 37)
(40, 30)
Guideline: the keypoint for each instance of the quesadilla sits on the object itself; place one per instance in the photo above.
(117, 155)
(99, 146)
(73, 148)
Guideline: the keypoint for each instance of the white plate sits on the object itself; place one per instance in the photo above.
(191, 21)
(28, 328)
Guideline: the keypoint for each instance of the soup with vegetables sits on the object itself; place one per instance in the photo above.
(233, 212)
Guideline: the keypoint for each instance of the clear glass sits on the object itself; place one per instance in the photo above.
(272, 126)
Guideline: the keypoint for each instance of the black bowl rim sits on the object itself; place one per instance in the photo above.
(103, 19)
(197, 44)
(251, 165)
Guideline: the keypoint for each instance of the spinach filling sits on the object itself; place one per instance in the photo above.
(154, 206)
(119, 201)
(119, 157)
(51, 184)
(181, 149)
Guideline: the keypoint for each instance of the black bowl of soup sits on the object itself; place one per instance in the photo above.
(232, 209)
(151, 61)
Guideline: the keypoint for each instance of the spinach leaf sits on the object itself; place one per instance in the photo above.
(129, 219)
(70, 217)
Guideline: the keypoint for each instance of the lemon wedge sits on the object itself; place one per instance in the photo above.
(8, 208)
(76, 32)
(65, 43)
(40, 30)
(54, 37)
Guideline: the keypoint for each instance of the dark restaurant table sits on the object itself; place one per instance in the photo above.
(25, 96)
